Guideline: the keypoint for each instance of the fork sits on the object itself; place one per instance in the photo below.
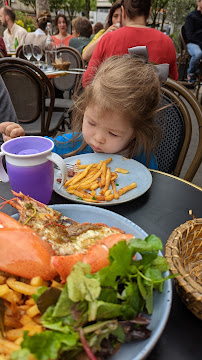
(71, 169)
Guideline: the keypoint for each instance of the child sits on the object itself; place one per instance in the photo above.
(116, 113)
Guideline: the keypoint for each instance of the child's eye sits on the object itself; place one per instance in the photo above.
(91, 124)
(112, 134)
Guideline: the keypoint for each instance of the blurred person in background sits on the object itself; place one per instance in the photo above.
(113, 23)
(3, 47)
(14, 33)
(134, 32)
(42, 20)
(193, 39)
(38, 37)
(9, 127)
(81, 32)
(97, 27)
(62, 37)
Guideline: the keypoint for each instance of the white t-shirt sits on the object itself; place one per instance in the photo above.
(15, 32)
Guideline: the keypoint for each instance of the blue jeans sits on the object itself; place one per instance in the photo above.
(196, 54)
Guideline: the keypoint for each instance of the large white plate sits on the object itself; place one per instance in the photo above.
(137, 173)
(162, 301)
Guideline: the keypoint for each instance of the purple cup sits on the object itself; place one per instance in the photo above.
(29, 162)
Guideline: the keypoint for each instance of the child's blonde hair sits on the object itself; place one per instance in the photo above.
(128, 86)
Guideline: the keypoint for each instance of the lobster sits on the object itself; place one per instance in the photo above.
(47, 244)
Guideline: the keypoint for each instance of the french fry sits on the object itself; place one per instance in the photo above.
(94, 186)
(38, 281)
(81, 175)
(30, 302)
(103, 174)
(56, 284)
(78, 162)
(109, 197)
(108, 192)
(33, 311)
(116, 195)
(2, 279)
(122, 171)
(14, 334)
(4, 289)
(18, 341)
(107, 182)
(108, 160)
(7, 347)
(100, 164)
(12, 296)
(21, 287)
(124, 189)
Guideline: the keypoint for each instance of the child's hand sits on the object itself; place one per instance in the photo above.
(11, 130)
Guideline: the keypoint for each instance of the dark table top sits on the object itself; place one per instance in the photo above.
(160, 210)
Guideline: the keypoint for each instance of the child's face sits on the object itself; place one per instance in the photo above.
(106, 131)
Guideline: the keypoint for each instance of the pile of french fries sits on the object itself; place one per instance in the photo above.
(97, 176)
(21, 311)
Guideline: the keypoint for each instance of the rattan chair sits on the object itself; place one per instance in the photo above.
(176, 124)
(68, 85)
(28, 88)
(2, 55)
(184, 58)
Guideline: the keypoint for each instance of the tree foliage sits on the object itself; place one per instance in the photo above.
(73, 6)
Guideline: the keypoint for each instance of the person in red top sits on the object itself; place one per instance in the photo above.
(3, 47)
(134, 33)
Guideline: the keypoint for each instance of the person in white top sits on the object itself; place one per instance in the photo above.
(13, 31)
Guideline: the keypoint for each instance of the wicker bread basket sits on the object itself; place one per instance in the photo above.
(62, 66)
(183, 252)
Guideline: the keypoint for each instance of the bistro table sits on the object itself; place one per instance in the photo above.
(159, 211)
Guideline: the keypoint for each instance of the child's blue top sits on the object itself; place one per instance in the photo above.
(63, 145)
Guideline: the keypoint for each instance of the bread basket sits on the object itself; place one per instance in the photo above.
(183, 252)
(62, 66)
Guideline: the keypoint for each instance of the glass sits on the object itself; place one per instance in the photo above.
(37, 53)
(29, 161)
(27, 51)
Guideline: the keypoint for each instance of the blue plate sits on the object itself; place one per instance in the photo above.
(139, 349)
(137, 173)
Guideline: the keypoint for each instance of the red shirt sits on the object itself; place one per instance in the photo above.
(64, 42)
(160, 48)
(3, 47)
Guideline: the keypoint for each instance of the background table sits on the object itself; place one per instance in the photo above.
(160, 210)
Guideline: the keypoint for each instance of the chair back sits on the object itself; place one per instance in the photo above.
(2, 55)
(175, 124)
(71, 81)
(184, 58)
(191, 113)
(28, 87)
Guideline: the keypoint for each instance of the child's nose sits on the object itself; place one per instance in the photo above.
(99, 137)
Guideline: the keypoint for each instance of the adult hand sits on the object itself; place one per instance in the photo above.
(112, 28)
(11, 130)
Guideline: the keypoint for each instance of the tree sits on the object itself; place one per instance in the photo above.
(32, 3)
(73, 6)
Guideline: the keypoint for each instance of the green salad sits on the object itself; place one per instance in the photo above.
(95, 313)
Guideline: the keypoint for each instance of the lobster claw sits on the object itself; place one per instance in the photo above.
(23, 252)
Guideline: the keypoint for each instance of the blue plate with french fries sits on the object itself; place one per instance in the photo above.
(103, 179)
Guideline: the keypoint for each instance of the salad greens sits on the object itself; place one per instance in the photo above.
(95, 312)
